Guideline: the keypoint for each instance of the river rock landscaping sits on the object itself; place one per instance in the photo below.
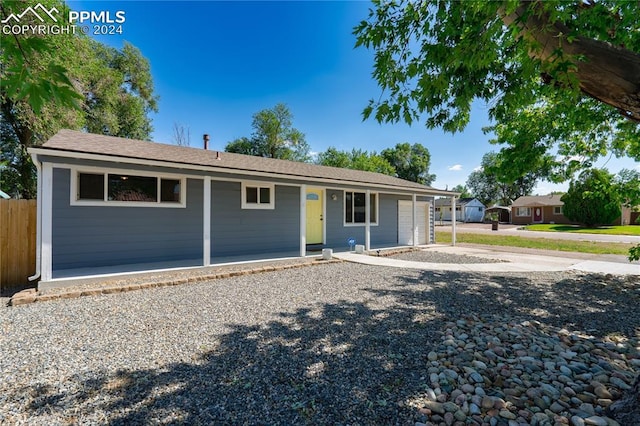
(334, 343)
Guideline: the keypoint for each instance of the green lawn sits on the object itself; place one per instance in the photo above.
(536, 243)
(613, 230)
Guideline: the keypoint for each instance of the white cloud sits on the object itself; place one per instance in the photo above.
(478, 169)
(455, 168)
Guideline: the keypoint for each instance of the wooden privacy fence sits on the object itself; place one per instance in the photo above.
(17, 242)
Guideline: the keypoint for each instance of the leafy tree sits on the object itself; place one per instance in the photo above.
(24, 76)
(411, 162)
(335, 158)
(483, 187)
(66, 81)
(592, 199)
(489, 187)
(628, 186)
(243, 145)
(357, 159)
(463, 190)
(273, 136)
(556, 75)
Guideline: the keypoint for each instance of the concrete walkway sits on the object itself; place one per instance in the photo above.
(512, 262)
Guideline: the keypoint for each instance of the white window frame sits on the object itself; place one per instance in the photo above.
(258, 206)
(527, 214)
(74, 189)
(557, 210)
(344, 208)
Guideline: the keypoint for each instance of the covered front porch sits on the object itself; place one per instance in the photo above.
(76, 276)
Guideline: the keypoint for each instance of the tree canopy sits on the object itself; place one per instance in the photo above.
(592, 199)
(66, 81)
(357, 159)
(273, 136)
(628, 185)
(556, 76)
(463, 190)
(405, 161)
(411, 162)
(488, 187)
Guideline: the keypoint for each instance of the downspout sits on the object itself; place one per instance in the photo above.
(453, 220)
(36, 275)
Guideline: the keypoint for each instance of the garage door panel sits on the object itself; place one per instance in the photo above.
(405, 222)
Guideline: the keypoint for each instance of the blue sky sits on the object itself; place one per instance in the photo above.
(215, 64)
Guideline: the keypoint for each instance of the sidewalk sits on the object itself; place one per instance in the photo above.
(513, 262)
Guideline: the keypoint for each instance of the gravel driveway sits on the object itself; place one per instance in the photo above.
(336, 343)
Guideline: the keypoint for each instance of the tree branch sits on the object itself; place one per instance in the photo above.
(605, 72)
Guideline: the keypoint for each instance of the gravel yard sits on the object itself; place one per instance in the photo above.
(336, 343)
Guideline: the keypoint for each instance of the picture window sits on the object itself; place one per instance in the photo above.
(355, 208)
(124, 189)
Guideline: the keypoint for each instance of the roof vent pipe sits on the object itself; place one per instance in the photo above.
(218, 155)
(205, 139)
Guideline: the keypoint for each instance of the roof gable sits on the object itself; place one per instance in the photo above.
(67, 143)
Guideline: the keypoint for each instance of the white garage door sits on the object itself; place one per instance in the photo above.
(405, 222)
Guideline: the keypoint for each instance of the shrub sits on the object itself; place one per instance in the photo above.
(592, 199)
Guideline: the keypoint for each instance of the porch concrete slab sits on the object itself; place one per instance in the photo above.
(72, 277)
(512, 262)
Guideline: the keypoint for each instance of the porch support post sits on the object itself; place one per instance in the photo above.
(47, 222)
(367, 220)
(206, 222)
(414, 220)
(453, 221)
(303, 220)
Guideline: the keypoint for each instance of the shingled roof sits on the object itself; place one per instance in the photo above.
(70, 143)
(538, 200)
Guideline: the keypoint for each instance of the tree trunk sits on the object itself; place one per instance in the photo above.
(626, 411)
(608, 73)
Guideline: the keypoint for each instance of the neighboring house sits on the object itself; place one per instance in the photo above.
(538, 209)
(117, 205)
(625, 217)
(548, 209)
(467, 209)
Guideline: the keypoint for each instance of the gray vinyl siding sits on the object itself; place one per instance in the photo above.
(236, 231)
(92, 236)
(432, 220)
(384, 234)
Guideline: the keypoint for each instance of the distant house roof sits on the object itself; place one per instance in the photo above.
(69, 143)
(497, 207)
(459, 201)
(538, 200)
